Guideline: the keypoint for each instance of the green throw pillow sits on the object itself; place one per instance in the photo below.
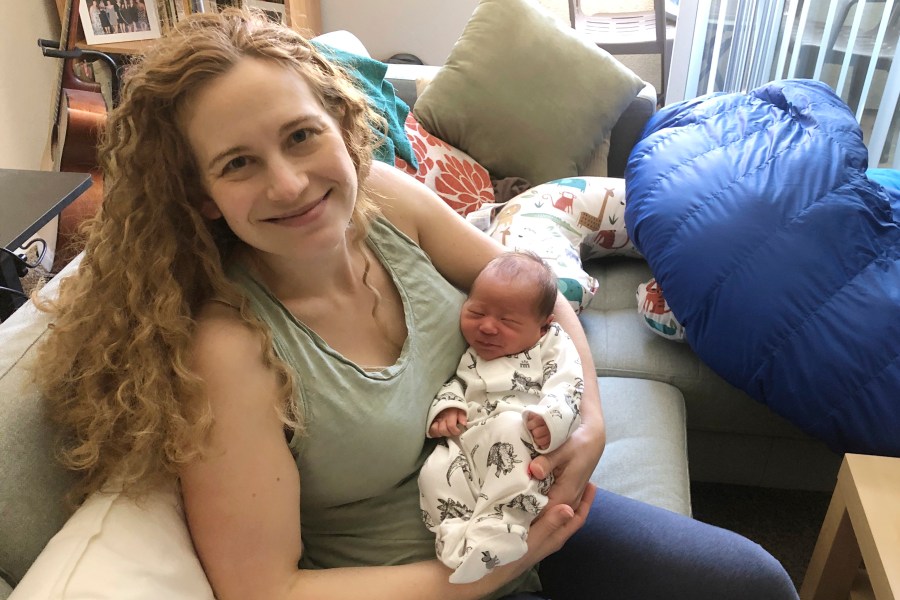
(524, 95)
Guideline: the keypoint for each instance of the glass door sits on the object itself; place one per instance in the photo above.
(736, 45)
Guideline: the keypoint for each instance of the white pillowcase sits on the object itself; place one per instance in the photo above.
(119, 548)
(566, 221)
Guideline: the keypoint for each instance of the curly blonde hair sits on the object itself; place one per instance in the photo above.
(116, 367)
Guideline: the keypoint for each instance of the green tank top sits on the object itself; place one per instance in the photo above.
(365, 441)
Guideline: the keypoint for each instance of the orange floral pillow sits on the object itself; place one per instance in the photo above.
(454, 175)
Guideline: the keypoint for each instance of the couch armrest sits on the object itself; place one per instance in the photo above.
(625, 133)
(627, 130)
(403, 78)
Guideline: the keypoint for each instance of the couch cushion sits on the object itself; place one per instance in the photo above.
(116, 548)
(525, 95)
(32, 484)
(646, 448)
(618, 279)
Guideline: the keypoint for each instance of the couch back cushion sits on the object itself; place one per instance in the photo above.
(525, 95)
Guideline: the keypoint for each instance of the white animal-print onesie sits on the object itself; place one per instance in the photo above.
(475, 490)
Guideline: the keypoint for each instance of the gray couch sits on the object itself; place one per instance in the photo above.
(650, 388)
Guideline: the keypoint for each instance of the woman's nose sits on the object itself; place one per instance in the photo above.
(286, 180)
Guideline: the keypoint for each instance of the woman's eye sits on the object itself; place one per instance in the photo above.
(235, 163)
(300, 136)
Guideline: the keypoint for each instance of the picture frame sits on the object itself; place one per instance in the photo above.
(123, 21)
(274, 10)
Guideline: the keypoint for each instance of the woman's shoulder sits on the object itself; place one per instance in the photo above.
(402, 199)
(224, 340)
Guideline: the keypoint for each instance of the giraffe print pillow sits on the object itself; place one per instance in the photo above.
(566, 221)
(601, 216)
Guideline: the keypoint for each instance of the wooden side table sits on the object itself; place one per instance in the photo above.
(857, 554)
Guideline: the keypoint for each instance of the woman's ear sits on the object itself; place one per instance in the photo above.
(209, 209)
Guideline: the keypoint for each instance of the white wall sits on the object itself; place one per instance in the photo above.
(27, 82)
(426, 28)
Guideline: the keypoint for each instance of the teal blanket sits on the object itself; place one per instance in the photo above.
(369, 74)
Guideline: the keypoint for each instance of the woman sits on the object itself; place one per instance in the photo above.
(94, 12)
(112, 15)
(104, 19)
(255, 310)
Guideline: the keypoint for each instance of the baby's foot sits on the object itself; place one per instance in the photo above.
(450, 541)
(499, 546)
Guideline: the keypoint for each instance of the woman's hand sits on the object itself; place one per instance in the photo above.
(572, 465)
(557, 524)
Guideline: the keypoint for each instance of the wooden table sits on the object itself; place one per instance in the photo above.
(28, 201)
(857, 554)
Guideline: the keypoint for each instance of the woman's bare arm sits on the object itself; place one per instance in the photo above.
(457, 249)
(242, 500)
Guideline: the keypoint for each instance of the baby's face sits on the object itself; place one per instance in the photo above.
(500, 318)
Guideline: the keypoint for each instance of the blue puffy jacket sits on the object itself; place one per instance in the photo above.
(778, 254)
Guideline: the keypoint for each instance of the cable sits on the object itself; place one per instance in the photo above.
(3, 288)
(40, 258)
(23, 265)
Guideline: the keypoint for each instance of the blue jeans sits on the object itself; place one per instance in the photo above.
(628, 549)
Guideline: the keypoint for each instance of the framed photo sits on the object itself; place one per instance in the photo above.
(107, 21)
(273, 10)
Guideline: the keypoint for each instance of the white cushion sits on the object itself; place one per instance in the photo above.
(117, 548)
(112, 547)
(343, 40)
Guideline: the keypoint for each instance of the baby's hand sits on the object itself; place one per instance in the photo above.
(538, 429)
(449, 422)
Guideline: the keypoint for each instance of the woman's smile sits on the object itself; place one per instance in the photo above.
(303, 215)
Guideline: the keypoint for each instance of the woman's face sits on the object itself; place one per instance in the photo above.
(272, 160)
